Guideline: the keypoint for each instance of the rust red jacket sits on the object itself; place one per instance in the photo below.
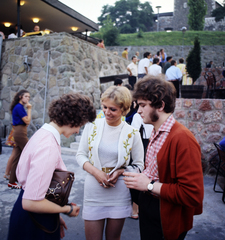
(180, 171)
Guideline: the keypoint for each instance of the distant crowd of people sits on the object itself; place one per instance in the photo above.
(155, 65)
(13, 32)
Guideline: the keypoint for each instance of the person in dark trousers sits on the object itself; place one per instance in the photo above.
(143, 65)
(174, 75)
(132, 69)
(38, 161)
(171, 184)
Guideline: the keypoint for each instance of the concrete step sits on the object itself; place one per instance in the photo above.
(77, 138)
(68, 151)
(74, 145)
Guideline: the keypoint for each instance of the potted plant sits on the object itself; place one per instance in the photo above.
(194, 69)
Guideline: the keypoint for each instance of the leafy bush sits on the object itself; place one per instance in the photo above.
(140, 34)
(193, 60)
(110, 33)
(196, 16)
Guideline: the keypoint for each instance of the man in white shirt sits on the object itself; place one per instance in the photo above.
(174, 75)
(12, 33)
(143, 65)
(155, 69)
(132, 69)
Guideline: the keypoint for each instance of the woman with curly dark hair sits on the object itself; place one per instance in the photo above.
(38, 161)
(21, 119)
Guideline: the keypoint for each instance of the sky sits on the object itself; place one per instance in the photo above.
(92, 8)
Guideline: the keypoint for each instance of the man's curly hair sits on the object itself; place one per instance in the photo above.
(156, 90)
(72, 110)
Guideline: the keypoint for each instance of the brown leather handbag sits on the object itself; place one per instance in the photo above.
(60, 187)
(58, 192)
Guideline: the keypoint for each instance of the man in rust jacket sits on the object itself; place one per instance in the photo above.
(171, 184)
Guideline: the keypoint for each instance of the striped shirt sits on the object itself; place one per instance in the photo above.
(157, 140)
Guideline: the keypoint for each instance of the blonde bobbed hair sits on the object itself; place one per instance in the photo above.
(121, 97)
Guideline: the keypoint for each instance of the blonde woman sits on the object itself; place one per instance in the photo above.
(104, 152)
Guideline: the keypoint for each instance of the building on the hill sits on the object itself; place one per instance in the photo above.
(179, 18)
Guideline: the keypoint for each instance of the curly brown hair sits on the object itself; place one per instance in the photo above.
(72, 110)
(156, 90)
(17, 98)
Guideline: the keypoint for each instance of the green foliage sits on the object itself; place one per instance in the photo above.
(128, 15)
(169, 38)
(219, 13)
(109, 33)
(98, 35)
(193, 60)
(140, 34)
(172, 38)
(196, 16)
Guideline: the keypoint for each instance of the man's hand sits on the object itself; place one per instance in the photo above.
(140, 182)
(137, 181)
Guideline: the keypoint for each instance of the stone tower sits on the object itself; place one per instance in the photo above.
(181, 10)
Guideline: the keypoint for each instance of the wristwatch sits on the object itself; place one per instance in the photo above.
(150, 186)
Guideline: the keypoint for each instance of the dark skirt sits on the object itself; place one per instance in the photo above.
(22, 227)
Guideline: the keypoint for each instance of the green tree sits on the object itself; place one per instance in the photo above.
(109, 32)
(128, 15)
(219, 13)
(196, 16)
(193, 60)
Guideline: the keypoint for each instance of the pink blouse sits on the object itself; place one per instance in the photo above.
(40, 157)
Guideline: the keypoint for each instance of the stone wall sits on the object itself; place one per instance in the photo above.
(168, 23)
(165, 22)
(212, 25)
(205, 118)
(215, 53)
(74, 65)
(181, 11)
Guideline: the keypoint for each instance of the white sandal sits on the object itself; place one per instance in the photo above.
(6, 176)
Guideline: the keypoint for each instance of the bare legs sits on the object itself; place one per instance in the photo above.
(113, 229)
(135, 211)
(94, 229)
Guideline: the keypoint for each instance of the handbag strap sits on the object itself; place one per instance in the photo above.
(43, 228)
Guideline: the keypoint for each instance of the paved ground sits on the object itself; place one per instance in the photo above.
(208, 226)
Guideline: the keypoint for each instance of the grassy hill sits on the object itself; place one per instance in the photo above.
(171, 38)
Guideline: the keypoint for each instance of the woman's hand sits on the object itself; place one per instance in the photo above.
(62, 226)
(99, 175)
(102, 178)
(75, 211)
(114, 176)
(28, 106)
